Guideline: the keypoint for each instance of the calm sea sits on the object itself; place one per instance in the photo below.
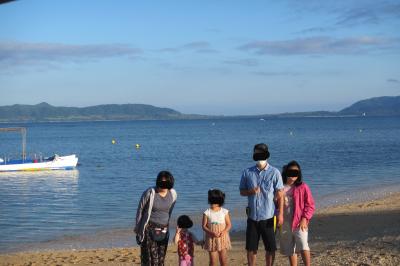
(95, 205)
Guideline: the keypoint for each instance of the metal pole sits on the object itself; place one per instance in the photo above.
(23, 132)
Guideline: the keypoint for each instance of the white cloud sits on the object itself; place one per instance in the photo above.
(321, 46)
(14, 54)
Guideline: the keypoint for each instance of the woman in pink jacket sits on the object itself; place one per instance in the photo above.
(298, 210)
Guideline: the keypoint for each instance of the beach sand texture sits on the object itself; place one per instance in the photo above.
(366, 233)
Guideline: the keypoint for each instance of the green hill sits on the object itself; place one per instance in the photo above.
(47, 112)
(379, 106)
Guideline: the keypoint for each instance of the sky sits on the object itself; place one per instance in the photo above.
(200, 57)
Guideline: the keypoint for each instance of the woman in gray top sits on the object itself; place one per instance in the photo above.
(152, 219)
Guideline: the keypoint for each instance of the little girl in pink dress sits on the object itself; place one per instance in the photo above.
(185, 241)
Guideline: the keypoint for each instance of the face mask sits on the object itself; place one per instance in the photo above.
(261, 163)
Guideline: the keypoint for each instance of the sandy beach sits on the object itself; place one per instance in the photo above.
(363, 233)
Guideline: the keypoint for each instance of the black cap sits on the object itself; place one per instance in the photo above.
(260, 152)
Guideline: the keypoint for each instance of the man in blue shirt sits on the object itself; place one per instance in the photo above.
(261, 184)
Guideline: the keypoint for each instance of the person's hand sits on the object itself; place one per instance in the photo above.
(280, 220)
(220, 234)
(178, 230)
(255, 190)
(303, 225)
(216, 234)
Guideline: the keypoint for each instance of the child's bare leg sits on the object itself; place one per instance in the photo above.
(293, 260)
(305, 255)
(213, 258)
(223, 258)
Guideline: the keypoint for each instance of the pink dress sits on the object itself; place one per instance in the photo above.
(186, 248)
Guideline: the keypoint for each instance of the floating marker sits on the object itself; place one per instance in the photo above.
(137, 146)
(113, 141)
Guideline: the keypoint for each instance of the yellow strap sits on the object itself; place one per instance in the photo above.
(274, 224)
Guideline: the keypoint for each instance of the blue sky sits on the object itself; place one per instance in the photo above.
(204, 57)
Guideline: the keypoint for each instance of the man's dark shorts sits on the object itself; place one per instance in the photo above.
(265, 229)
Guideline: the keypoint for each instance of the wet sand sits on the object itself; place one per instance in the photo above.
(366, 233)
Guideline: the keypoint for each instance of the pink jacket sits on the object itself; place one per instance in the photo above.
(303, 203)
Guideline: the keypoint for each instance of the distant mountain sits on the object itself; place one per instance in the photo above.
(47, 112)
(379, 106)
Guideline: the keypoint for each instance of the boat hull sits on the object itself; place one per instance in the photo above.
(58, 163)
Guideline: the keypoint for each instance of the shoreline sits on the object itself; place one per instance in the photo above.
(188, 117)
(365, 232)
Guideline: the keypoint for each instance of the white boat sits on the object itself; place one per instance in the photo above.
(55, 162)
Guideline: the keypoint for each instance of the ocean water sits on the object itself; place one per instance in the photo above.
(95, 205)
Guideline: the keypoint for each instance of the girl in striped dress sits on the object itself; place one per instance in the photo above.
(216, 226)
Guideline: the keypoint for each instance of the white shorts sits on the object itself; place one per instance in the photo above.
(293, 242)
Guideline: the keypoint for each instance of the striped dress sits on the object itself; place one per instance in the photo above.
(216, 223)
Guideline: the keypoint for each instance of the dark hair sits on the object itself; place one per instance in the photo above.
(184, 221)
(216, 196)
(286, 167)
(260, 152)
(169, 180)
